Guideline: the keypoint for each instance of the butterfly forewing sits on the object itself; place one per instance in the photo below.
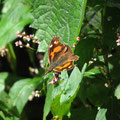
(55, 48)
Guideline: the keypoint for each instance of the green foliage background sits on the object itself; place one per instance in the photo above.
(91, 91)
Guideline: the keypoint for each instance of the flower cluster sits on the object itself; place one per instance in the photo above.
(33, 70)
(3, 51)
(92, 60)
(27, 39)
(55, 79)
(34, 94)
(77, 39)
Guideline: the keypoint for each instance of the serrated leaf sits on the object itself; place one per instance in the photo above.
(101, 114)
(58, 18)
(21, 90)
(14, 18)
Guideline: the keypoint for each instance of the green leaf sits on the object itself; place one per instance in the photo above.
(3, 77)
(52, 97)
(59, 109)
(6, 104)
(117, 92)
(101, 114)
(64, 94)
(95, 93)
(48, 101)
(3, 117)
(71, 86)
(21, 90)
(92, 24)
(93, 71)
(85, 49)
(62, 83)
(42, 46)
(58, 18)
(56, 107)
(16, 14)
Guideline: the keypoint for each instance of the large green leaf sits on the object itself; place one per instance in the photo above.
(15, 15)
(56, 107)
(66, 92)
(53, 94)
(21, 90)
(72, 85)
(58, 18)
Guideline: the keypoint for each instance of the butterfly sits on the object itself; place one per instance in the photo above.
(60, 56)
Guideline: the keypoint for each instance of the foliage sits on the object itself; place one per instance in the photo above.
(91, 91)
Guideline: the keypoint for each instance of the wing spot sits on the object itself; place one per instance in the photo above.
(69, 66)
(56, 42)
(50, 46)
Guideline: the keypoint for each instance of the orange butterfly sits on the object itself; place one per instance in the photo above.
(60, 56)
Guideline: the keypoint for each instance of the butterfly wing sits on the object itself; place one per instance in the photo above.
(60, 56)
(55, 49)
(66, 61)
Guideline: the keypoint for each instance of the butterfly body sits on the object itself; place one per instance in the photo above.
(60, 56)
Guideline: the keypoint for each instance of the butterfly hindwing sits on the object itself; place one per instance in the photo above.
(64, 67)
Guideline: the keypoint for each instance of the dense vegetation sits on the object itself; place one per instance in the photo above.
(91, 91)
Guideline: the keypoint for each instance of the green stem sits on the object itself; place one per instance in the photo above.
(11, 57)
